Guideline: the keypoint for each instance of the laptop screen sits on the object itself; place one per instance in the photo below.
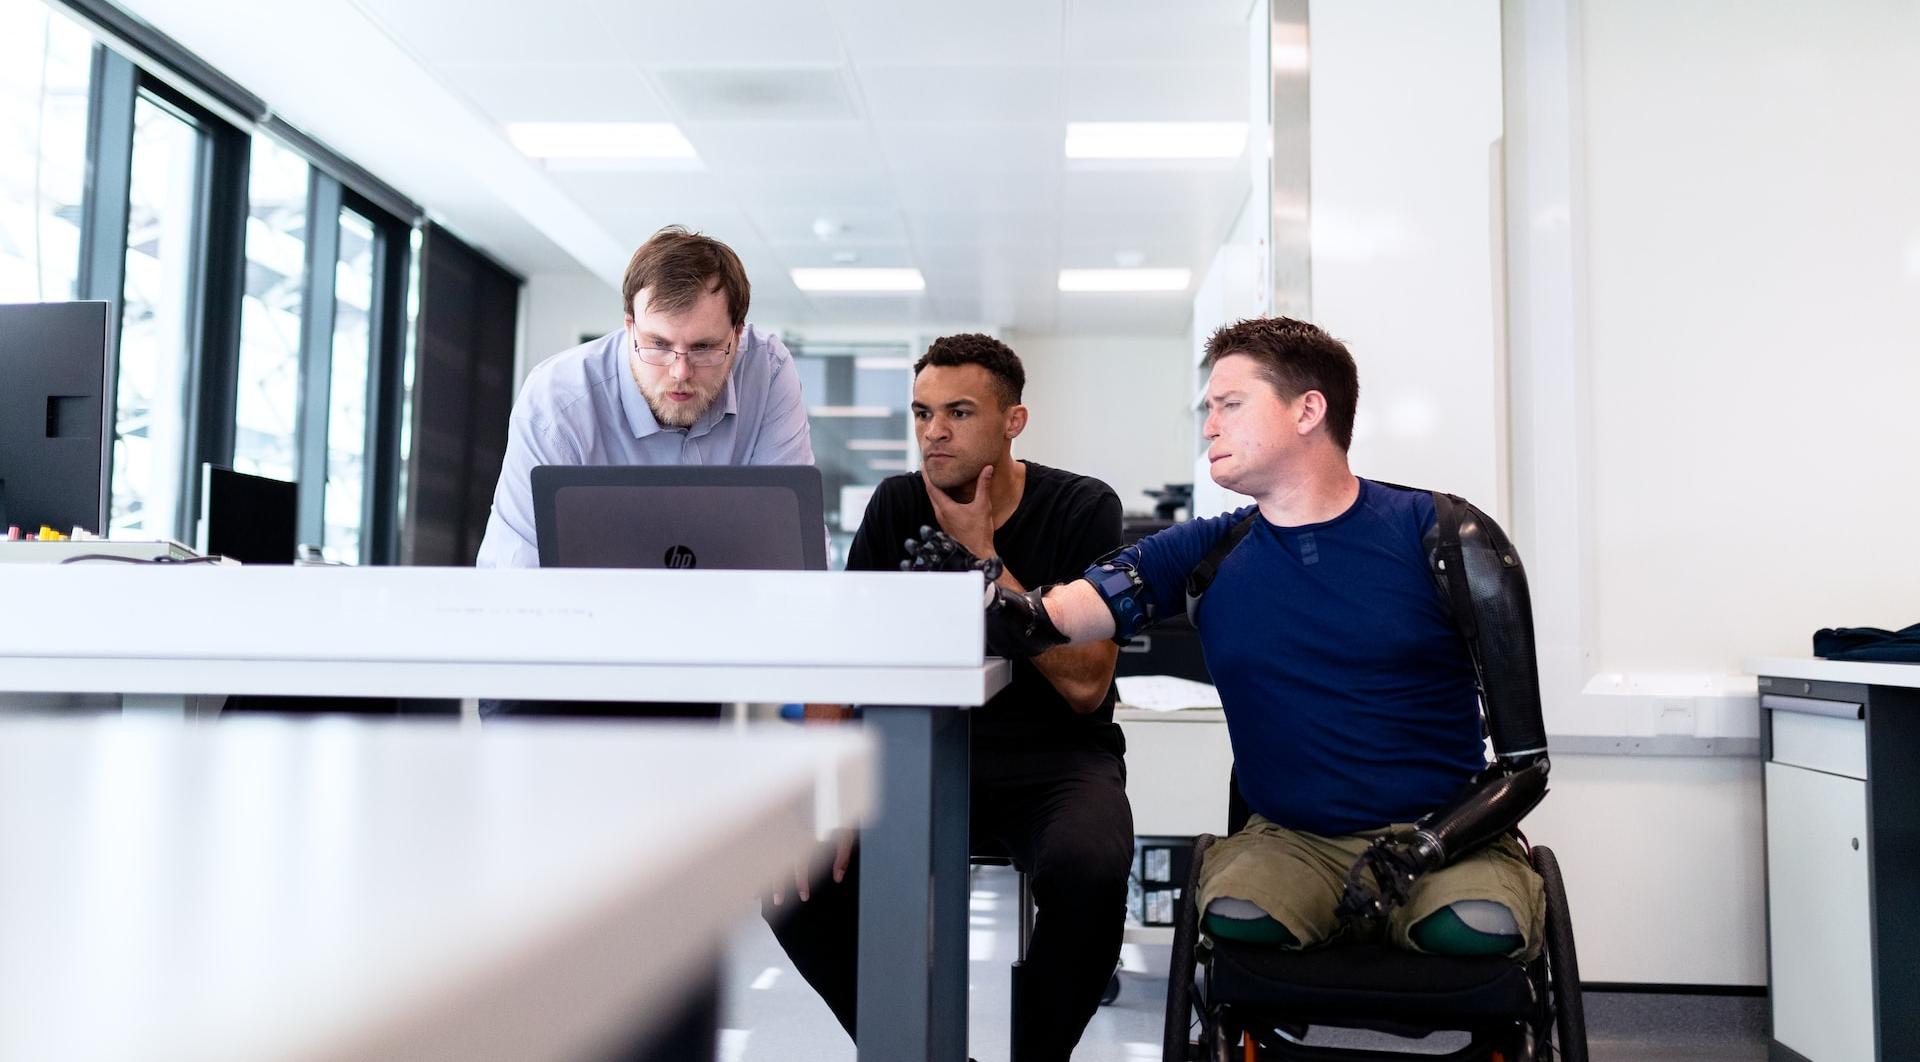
(759, 517)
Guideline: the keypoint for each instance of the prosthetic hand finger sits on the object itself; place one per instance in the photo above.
(1394, 866)
(937, 551)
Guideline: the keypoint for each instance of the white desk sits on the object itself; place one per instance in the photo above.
(910, 644)
(334, 889)
(1842, 744)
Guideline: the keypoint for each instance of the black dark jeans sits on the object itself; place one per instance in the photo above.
(1062, 814)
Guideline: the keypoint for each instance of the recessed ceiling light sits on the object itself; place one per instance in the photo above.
(1125, 280)
(858, 281)
(599, 140)
(1156, 140)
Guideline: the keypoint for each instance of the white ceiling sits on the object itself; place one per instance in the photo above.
(931, 131)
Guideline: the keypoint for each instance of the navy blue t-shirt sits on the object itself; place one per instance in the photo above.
(1350, 699)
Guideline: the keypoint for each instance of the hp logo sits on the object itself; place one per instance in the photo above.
(680, 557)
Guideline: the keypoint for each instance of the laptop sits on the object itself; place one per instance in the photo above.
(756, 517)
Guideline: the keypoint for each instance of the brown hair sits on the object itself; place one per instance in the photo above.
(677, 266)
(1296, 357)
(974, 348)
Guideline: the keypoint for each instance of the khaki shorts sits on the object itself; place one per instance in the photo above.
(1297, 877)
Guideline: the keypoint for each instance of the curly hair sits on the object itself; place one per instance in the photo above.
(973, 348)
(1296, 357)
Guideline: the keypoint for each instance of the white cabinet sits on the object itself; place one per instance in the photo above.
(1178, 764)
(1822, 961)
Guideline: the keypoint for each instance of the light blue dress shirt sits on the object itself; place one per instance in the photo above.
(582, 407)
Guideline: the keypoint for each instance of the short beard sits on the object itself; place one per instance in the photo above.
(678, 414)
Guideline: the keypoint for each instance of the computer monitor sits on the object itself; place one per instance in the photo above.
(252, 519)
(56, 408)
(758, 517)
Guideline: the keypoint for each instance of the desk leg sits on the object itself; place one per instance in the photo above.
(914, 890)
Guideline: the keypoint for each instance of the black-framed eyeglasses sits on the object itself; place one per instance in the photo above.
(698, 357)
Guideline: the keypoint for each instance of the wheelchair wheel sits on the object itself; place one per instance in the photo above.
(1112, 991)
(1177, 1044)
(1563, 966)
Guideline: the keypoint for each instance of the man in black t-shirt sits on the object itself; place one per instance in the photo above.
(1049, 784)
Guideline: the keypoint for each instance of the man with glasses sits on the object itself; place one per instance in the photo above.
(686, 381)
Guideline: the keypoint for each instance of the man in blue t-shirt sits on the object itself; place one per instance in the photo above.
(1348, 676)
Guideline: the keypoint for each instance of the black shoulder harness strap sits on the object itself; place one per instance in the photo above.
(1203, 573)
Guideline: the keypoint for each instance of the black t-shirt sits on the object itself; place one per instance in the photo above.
(1064, 522)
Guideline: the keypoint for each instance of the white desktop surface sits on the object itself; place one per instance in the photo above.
(1813, 669)
(568, 634)
(268, 889)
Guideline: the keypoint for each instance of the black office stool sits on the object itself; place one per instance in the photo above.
(993, 859)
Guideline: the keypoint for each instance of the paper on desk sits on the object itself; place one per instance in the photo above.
(1165, 693)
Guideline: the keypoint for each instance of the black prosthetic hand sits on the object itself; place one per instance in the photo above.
(937, 551)
(1394, 861)
(1017, 623)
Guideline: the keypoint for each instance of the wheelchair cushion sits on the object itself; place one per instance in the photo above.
(1370, 983)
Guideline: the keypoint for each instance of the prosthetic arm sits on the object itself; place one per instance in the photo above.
(1478, 574)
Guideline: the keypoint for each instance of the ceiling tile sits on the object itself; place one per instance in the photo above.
(1155, 31)
(1215, 92)
(851, 228)
(1211, 191)
(618, 190)
(786, 147)
(728, 33)
(1011, 32)
(566, 93)
(965, 94)
(757, 94)
(997, 147)
(489, 32)
(992, 228)
(950, 189)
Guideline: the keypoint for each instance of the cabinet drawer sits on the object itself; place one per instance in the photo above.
(1820, 742)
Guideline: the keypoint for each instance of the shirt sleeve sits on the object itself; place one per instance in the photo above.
(1099, 533)
(509, 539)
(1164, 560)
(784, 437)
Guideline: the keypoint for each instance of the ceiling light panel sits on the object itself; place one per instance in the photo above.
(858, 281)
(1125, 280)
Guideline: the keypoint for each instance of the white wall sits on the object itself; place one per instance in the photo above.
(1103, 406)
(1405, 112)
(557, 309)
(1754, 236)
(1712, 257)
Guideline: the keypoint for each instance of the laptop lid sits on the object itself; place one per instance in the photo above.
(756, 517)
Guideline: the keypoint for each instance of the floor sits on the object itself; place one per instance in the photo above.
(770, 1015)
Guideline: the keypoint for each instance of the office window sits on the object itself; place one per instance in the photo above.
(44, 67)
(347, 389)
(857, 394)
(267, 398)
(150, 423)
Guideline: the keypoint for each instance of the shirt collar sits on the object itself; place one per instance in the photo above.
(640, 418)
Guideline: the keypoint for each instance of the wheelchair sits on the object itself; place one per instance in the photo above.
(1234, 1002)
